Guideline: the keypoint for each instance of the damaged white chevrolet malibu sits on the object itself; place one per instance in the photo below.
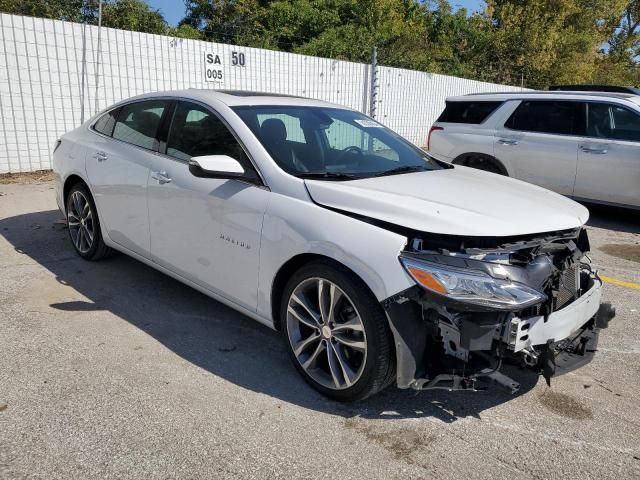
(378, 263)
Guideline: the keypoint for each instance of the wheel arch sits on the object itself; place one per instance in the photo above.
(288, 269)
(69, 182)
(463, 159)
(74, 178)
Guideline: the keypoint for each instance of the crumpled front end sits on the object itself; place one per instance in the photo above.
(480, 302)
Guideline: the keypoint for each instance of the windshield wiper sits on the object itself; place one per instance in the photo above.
(328, 176)
(403, 169)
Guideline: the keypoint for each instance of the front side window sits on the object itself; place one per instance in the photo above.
(196, 131)
(612, 122)
(548, 116)
(332, 143)
(138, 123)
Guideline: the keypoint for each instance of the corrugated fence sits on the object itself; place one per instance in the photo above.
(54, 74)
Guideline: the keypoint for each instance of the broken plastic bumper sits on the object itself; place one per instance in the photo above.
(554, 344)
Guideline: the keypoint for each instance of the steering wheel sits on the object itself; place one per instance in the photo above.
(352, 150)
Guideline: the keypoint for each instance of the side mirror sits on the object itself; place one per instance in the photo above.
(215, 166)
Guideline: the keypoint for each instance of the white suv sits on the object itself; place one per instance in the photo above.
(584, 145)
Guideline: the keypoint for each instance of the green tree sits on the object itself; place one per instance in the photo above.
(135, 15)
(70, 10)
(624, 39)
(185, 31)
(542, 42)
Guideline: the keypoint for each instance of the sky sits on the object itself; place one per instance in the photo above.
(173, 10)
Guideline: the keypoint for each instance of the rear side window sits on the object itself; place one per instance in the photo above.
(468, 112)
(106, 122)
(612, 122)
(138, 123)
(562, 118)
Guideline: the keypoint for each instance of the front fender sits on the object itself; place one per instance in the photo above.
(294, 227)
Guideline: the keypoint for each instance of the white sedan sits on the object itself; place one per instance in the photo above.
(378, 263)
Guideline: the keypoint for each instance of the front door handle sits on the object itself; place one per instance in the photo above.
(507, 141)
(594, 150)
(161, 177)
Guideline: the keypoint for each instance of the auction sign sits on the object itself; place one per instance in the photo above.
(214, 65)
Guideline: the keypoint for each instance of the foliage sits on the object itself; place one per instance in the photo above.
(133, 15)
(61, 9)
(535, 43)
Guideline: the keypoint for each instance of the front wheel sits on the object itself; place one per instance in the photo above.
(337, 333)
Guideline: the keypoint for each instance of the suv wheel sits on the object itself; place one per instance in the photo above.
(84, 225)
(485, 163)
(336, 332)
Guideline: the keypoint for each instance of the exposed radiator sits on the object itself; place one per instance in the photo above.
(568, 286)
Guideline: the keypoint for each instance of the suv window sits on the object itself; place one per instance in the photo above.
(106, 122)
(138, 123)
(468, 112)
(613, 122)
(196, 131)
(563, 118)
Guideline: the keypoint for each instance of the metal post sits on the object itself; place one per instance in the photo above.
(98, 52)
(84, 68)
(374, 83)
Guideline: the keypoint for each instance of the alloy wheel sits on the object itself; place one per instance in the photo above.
(326, 333)
(80, 222)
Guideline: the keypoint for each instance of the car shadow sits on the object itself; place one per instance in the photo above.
(214, 337)
(614, 218)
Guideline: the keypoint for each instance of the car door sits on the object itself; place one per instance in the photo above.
(206, 230)
(118, 162)
(539, 141)
(609, 158)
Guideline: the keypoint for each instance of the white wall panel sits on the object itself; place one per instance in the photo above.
(410, 101)
(41, 80)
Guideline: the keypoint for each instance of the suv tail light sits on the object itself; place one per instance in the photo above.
(431, 130)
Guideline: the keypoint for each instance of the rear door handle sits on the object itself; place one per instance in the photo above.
(507, 141)
(100, 156)
(161, 177)
(594, 150)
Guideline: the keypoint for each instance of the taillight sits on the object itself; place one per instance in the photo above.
(431, 130)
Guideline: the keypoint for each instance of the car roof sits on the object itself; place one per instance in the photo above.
(234, 98)
(596, 88)
(547, 95)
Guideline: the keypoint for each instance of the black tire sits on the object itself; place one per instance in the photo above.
(97, 249)
(379, 367)
(484, 163)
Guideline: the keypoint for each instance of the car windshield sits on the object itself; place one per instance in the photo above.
(332, 143)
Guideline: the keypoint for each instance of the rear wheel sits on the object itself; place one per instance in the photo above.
(84, 225)
(485, 163)
(336, 332)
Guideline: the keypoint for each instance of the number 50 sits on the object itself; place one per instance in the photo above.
(237, 59)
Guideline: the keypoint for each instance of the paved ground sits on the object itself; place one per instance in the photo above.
(112, 370)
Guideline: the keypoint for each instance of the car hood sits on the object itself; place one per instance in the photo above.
(454, 201)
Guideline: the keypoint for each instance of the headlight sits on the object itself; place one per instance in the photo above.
(471, 286)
